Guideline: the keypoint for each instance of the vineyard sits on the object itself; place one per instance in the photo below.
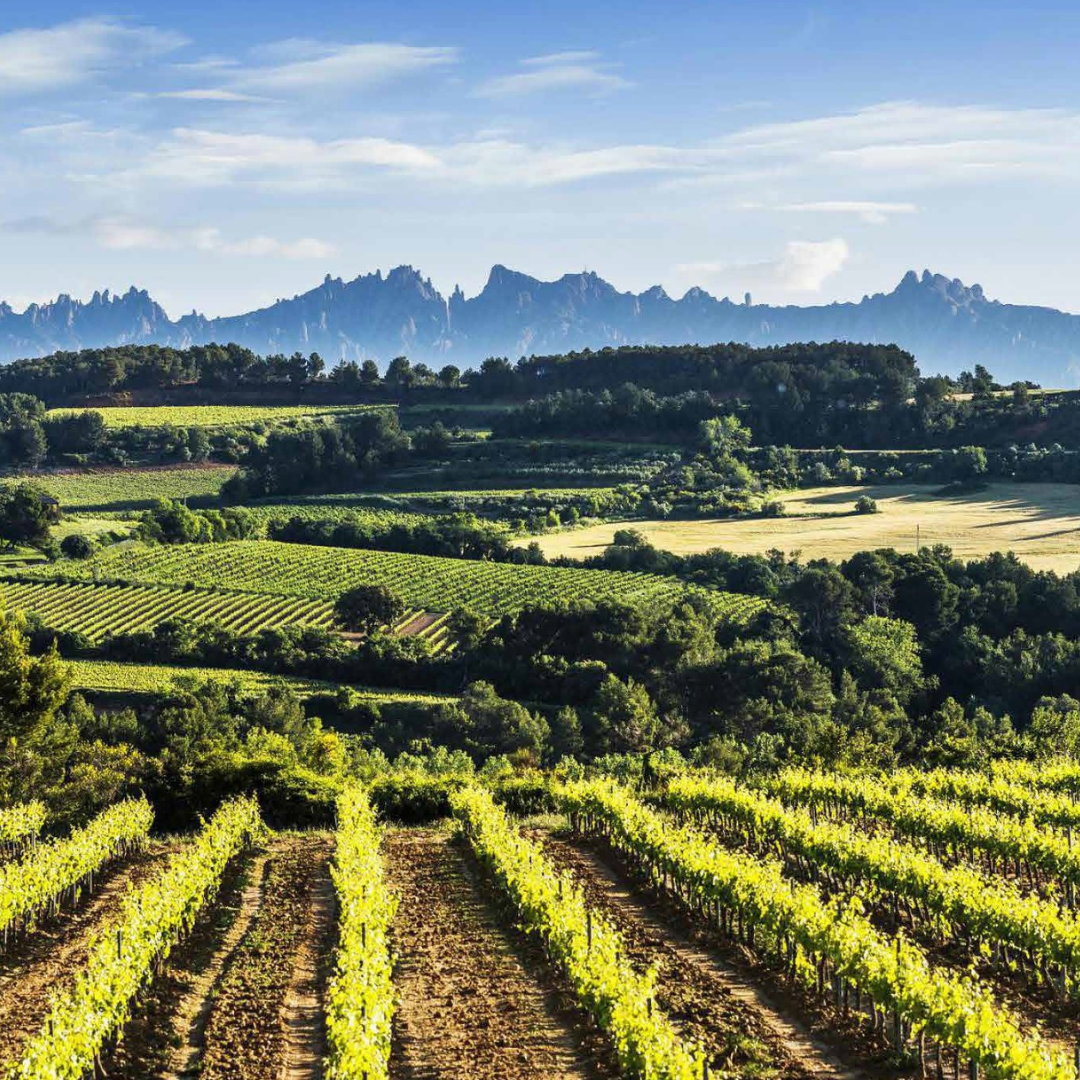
(119, 490)
(211, 416)
(106, 677)
(99, 609)
(423, 582)
(793, 926)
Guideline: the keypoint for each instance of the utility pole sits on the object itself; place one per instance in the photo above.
(918, 538)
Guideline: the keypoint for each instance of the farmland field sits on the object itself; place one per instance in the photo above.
(120, 489)
(320, 574)
(108, 677)
(214, 415)
(96, 609)
(527, 949)
(1039, 522)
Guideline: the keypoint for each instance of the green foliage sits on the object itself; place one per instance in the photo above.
(582, 942)
(122, 960)
(365, 608)
(360, 997)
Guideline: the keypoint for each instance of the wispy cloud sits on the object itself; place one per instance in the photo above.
(132, 234)
(208, 94)
(803, 267)
(306, 65)
(873, 213)
(40, 60)
(583, 71)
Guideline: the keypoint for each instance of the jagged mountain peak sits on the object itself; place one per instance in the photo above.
(947, 324)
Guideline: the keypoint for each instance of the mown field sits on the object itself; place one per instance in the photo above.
(321, 574)
(1039, 522)
(209, 416)
(804, 924)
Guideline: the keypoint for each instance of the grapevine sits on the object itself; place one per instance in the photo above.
(361, 993)
(586, 946)
(39, 881)
(809, 935)
(122, 959)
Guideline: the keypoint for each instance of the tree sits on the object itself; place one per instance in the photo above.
(32, 689)
(866, 505)
(27, 512)
(625, 718)
(884, 654)
(364, 608)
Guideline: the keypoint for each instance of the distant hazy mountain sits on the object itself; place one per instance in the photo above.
(947, 325)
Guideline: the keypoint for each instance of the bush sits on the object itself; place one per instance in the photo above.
(76, 546)
(865, 505)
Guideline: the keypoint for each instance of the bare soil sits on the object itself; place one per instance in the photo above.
(473, 1003)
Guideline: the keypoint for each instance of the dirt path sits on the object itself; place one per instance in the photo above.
(712, 997)
(248, 1035)
(49, 960)
(304, 1015)
(469, 1006)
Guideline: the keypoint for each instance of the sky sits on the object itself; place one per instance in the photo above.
(224, 154)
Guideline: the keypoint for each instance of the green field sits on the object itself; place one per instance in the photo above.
(1039, 522)
(118, 490)
(210, 416)
(361, 516)
(103, 676)
(423, 582)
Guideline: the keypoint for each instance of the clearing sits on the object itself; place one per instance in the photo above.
(1039, 522)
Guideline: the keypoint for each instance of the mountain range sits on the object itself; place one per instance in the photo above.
(947, 325)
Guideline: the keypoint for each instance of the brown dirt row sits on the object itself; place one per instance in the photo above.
(304, 1014)
(747, 1017)
(47, 961)
(473, 1003)
(246, 1033)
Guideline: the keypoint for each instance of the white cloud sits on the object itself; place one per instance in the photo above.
(209, 94)
(556, 71)
(874, 213)
(199, 157)
(36, 60)
(919, 142)
(312, 66)
(804, 267)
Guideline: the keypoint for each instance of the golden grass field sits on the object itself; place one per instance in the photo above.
(1040, 522)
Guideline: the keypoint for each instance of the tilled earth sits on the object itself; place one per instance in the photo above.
(471, 1004)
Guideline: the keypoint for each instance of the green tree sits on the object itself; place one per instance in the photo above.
(364, 608)
(27, 513)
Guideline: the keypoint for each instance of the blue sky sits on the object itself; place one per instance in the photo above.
(225, 154)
